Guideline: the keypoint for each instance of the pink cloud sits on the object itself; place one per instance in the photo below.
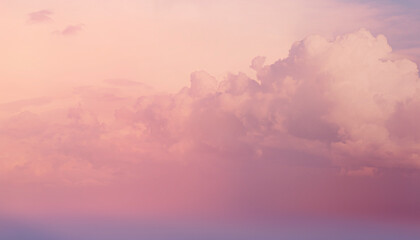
(41, 16)
(329, 115)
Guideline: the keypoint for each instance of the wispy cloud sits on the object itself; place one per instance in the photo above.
(70, 30)
(41, 16)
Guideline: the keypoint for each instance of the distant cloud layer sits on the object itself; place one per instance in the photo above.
(344, 108)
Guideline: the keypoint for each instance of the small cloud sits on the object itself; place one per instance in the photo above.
(41, 16)
(258, 63)
(70, 30)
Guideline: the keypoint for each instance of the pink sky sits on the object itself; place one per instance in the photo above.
(191, 109)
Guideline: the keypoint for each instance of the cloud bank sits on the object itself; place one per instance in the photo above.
(343, 110)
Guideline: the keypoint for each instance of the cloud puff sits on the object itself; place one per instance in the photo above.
(41, 16)
(332, 111)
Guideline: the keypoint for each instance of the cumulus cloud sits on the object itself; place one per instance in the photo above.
(332, 109)
(343, 92)
(41, 16)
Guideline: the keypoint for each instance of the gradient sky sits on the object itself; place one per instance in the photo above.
(232, 111)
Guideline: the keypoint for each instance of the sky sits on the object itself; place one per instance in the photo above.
(150, 113)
